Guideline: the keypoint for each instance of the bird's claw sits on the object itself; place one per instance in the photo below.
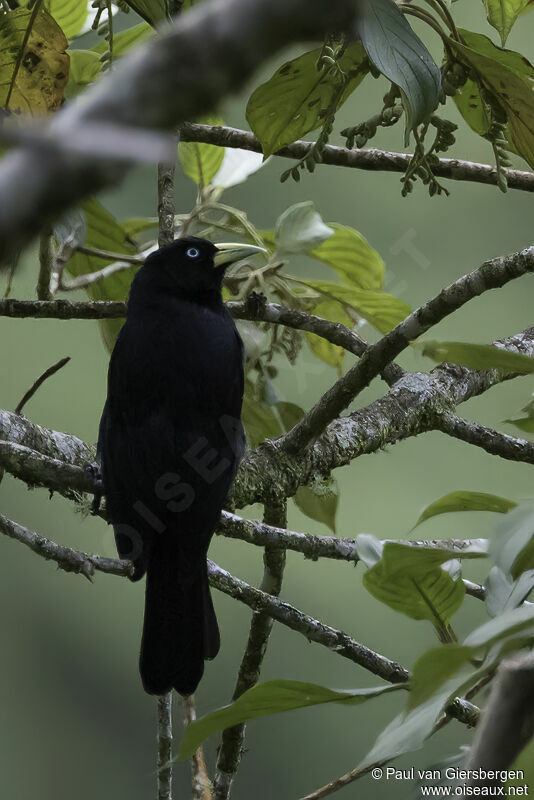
(94, 472)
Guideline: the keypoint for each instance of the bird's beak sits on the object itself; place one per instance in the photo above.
(231, 252)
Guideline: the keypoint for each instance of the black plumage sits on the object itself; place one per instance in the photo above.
(169, 445)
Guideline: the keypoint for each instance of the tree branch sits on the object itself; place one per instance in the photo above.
(66, 558)
(366, 158)
(274, 559)
(220, 579)
(498, 444)
(311, 546)
(201, 784)
(62, 309)
(408, 409)
(177, 76)
(491, 275)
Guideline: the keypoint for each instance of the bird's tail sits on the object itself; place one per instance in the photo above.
(180, 628)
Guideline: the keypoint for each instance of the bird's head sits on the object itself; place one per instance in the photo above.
(193, 266)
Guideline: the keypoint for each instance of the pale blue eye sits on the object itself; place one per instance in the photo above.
(192, 252)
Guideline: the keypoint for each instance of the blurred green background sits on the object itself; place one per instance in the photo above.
(75, 721)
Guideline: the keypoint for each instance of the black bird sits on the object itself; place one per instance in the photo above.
(169, 446)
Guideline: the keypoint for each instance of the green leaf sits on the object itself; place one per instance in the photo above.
(85, 65)
(401, 56)
(294, 101)
(478, 356)
(152, 11)
(470, 105)
(272, 697)
(124, 40)
(503, 13)
(85, 68)
(329, 353)
(443, 673)
(259, 418)
(466, 501)
(410, 579)
(437, 666)
(289, 414)
(514, 542)
(509, 76)
(201, 162)
(409, 731)
(525, 424)
(434, 668)
(383, 311)
(104, 233)
(351, 256)
(136, 225)
(70, 15)
(503, 593)
(36, 82)
(300, 229)
(319, 501)
(505, 626)
(475, 112)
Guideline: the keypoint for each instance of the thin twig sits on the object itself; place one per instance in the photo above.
(274, 558)
(108, 255)
(200, 782)
(46, 374)
(164, 740)
(355, 774)
(66, 558)
(46, 266)
(83, 281)
(166, 213)
(498, 444)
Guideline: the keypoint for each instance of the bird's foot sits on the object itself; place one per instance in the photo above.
(94, 472)
(255, 303)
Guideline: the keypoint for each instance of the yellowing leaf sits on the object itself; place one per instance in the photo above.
(32, 81)
(293, 102)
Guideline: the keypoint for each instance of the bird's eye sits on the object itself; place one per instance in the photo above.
(192, 252)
